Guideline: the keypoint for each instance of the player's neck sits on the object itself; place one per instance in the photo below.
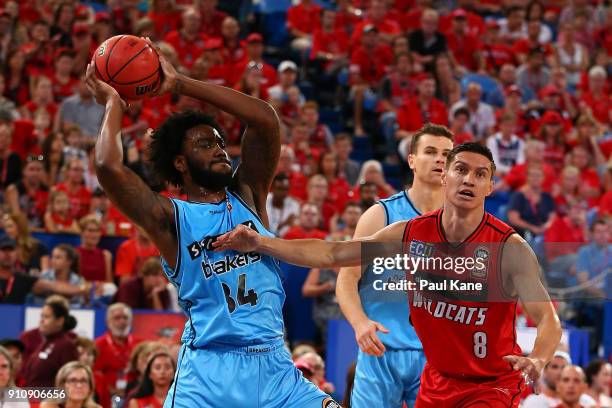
(203, 195)
(459, 224)
(424, 197)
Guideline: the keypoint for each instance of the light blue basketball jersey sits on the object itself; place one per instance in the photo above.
(230, 298)
(391, 308)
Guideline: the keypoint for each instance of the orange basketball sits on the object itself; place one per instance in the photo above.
(129, 64)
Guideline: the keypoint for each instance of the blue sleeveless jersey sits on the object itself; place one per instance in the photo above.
(230, 298)
(391, 308)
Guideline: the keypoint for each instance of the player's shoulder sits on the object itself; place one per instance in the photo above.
(498, 225)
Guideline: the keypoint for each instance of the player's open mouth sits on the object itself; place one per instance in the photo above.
(466, 193)
(438, 171)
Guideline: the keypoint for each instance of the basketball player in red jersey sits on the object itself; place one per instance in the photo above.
(472, 356)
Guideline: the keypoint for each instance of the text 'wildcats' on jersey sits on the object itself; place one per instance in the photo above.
(230, 298)
(465, 332)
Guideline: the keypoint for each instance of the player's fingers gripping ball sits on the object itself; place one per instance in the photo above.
(129, 64)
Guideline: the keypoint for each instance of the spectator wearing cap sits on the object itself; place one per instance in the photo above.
(102, 28)
(254, 54)
(377, 15)
(282, 209)
(165, 16)
(597, 99)
(15, 285)
(475, 24)
(188, 41)
(10, 163)
(65, 83)
(61, 28)
(513, 27)
(32, 255)
(567, 103)
(571, 55)
(287, 77)
(330, 44)
(427, 41)
(551, 374)
(369, 63)
(211, 18)
(421, 109)
(482, 117)
(83, 45)
(506, 147)
(464, 46)
(522, 46)
(82, 110)
(552, 134)
(495, 51)
(233, 49)
(533, 75)
(302, 20)
(514, 107)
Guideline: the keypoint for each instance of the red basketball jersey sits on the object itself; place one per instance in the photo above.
(466, 323)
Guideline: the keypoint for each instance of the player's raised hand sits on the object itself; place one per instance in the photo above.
(168, 74)
(241, 238)
(100, 90)
(369, 343)
(531, 367)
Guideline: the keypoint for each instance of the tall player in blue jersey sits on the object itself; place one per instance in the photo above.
(391, 358)
(233, 352)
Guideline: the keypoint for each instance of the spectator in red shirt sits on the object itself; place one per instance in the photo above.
(330, 44)
(552, 134)
(73, 185)
(288, 165)
(338, 188)
(306, 156)
(308, 221)
(567, 190)
(233, 50)
(64, 83)
(319, 135)
(102, 28)
(597, 99)
(254, 54)
(132, 253)
(317, 192)
(590, 184)
(188, 41)
(514, 107)
(565, 235)
(57, 217)
(58, 346)
(147, 290)
(522, 46)
(42, 99)
(16, 78)
(115, 348)
(475, 22)
(95, 263)
(534, 156)
(495, 51)
(377, 16)
(465, 47)
(155, 383)
(252, 81)
(165, 15)
(369, 64)
(302, 20)
(211, 18)
(421, 109)
(461, 117)
(39, 52)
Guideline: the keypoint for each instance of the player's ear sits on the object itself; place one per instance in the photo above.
(490, 187)
(180, 164)
(411, 160)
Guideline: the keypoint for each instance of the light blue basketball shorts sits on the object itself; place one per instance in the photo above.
(261, 376)
(387, 381)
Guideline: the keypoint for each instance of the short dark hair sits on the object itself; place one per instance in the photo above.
(430, 129)
(167, 143)
(598, 221)
(461, 111)
(471, 147)
(280, 177)
(343, 136)
(591, 370)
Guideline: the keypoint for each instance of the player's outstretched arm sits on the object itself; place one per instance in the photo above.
(347, 289)
(260, 148)
(521, 266)
(124, 188)
(313, 253)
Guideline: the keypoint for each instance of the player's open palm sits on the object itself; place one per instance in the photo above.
(368, 340)
(241, 238)
(100, 90)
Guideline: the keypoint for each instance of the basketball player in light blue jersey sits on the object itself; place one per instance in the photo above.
(233, 352)
(391, 358)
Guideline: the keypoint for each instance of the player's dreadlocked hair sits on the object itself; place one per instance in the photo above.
(167, 143)
(472, 147)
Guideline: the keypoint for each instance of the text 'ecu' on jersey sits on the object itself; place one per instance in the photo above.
(465, 332)
(390, 308)
(230, 298)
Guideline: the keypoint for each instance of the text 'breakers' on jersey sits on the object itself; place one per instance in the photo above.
(229, 297)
